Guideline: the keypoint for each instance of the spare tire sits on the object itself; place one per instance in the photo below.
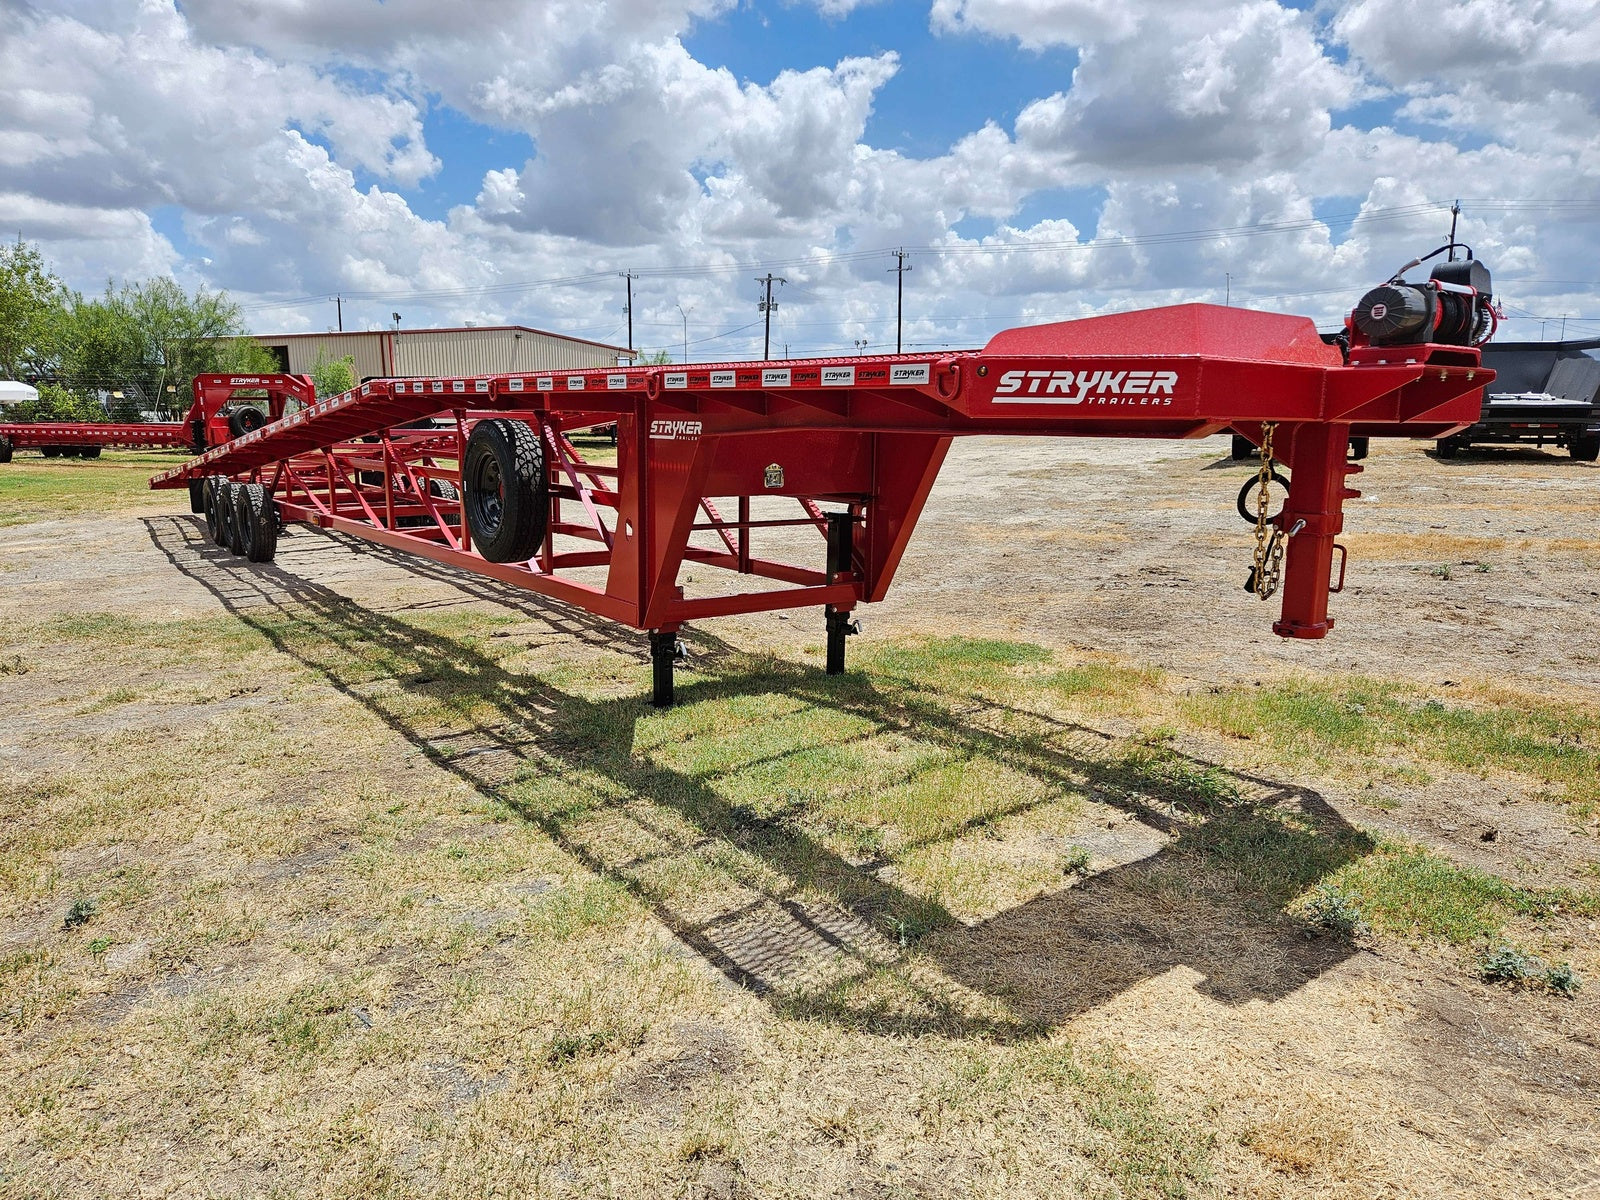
(245, 420)
(507, 502)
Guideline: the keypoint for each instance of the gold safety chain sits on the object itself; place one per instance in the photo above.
(1267, 569)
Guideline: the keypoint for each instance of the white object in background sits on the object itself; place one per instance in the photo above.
(16, 393)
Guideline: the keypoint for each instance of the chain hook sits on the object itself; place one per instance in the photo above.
(1266, 570)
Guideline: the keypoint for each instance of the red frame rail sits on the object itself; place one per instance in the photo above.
(855, 443)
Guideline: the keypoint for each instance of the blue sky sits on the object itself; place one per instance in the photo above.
(1040, 159)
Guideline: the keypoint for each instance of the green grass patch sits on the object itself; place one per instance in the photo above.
(1326, 724)
(1412, 893)
(40, 489)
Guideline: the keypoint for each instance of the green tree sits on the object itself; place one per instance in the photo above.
(658, 358)
(333, 375)
(144, 338)
(32, 307)
(56, 403)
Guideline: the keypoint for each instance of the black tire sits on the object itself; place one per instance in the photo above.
(1447, 447)
(507, 504)
(197, 495)
(1585, 449)
(216, 518)
(1241, 449)
(245, 420)
(228, 508)
(50, 451)
(5, 450)
(90, 452)
(1359, 448)
(255, 522)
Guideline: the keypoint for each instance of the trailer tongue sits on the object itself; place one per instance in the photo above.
(482, 473)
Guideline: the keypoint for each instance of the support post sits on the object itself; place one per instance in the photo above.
(840, 626)
(1316, 505)
(664, 655)
(841, 545)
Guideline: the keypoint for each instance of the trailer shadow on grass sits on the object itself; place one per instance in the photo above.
(722, 815)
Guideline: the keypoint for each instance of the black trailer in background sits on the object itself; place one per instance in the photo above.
(1544, 394)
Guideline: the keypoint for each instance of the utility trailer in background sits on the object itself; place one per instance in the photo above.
(711, 458)
(223, 407)
(1545, 394)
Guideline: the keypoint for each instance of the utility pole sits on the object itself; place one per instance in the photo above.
(628, 275)
(1455, 211)
(339, 308)
(899, 270)
(1227, 288)
(766, 306)
(685, 317)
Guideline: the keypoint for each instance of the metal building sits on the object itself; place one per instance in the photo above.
(474, 350)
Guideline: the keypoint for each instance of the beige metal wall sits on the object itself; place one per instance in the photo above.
(365, 348)
(448, 352)
(492, 352)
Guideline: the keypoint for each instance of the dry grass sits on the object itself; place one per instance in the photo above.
(427, 901)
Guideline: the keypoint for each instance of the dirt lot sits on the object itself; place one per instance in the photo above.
(350, 876)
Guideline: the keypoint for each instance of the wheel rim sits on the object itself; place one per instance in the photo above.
(488, 494)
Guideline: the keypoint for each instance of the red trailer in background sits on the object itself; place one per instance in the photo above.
(483, 473)
(223, 408)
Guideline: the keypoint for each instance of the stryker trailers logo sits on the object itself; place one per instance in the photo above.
(674, 431)
(1086, 387)
(909, 373)
(838, 376)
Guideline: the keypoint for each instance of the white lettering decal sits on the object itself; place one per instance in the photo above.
(775, 378)
(545, 384)
(666, 430)
(723, 379)
(838, 376)
(1093, 387)
(909, 373)
(677, 380)
(575, 383)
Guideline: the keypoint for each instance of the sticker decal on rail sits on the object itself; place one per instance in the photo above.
(676, 380)
(663, 429)
(838, 376)
(1103, 387)
(575, 383)
(545, 384)
(909, 373)
(515, 385)
(616, 383)
(458, 385)
(772, 379)
(723, 379)
(481, 386)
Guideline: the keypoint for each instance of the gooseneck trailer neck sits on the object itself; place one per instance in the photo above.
(482, 472)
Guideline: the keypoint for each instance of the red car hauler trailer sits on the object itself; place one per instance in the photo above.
(491, 480)
(224, 407)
